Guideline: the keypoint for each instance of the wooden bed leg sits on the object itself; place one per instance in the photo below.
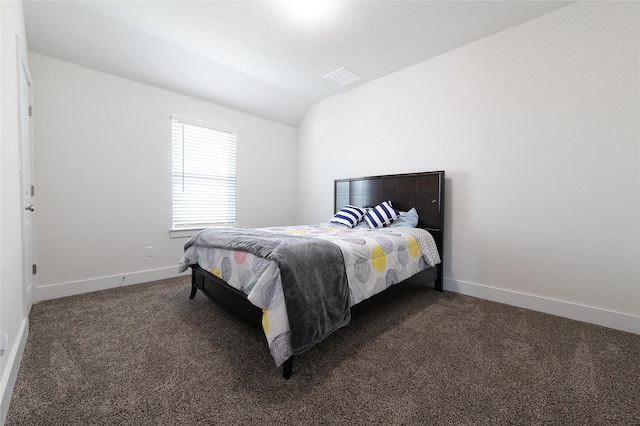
(194, 289)
(287, 368)
(437, 284)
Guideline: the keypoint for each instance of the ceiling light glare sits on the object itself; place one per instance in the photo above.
(309, 10)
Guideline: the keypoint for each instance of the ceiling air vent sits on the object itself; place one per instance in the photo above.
(342, 76)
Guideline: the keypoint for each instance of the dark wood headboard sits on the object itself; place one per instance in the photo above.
(424, 191)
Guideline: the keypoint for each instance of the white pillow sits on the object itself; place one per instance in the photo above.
(381, 215)
(348, 215)
(407, 219)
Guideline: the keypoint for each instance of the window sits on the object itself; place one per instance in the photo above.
(204, 175)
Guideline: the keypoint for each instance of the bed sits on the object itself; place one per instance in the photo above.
(263, 276)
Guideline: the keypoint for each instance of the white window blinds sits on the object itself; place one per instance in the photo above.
(204, 175)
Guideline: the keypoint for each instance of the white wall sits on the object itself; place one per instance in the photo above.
(537, 128)
(103, 165)
(13, 313)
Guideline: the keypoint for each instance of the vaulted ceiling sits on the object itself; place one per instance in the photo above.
(257, 56)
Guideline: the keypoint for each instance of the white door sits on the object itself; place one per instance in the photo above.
(25, 163)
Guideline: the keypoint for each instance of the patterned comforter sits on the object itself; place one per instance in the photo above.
(374, 260)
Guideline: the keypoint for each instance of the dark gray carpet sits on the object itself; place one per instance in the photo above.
(146, 354)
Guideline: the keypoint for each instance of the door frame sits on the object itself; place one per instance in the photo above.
(26, 166)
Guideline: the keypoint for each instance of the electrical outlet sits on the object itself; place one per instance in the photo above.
(150, 251)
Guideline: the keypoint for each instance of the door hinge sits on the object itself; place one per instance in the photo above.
(34, 269)
(33, 190)
(30, 111)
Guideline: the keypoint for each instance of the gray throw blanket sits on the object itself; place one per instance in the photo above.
(314, 280)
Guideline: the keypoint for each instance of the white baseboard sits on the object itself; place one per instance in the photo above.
(54, 291)
(10, 373)
(590, 314)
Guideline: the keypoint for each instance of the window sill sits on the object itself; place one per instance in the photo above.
(183, 233)
(190, 232)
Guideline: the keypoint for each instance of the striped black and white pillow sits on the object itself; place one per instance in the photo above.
(381, 215)
(349, 215)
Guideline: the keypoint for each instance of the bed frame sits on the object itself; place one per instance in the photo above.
(424, 191)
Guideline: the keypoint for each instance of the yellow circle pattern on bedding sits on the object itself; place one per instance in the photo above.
(299, 231)
(265, 321)
(378, 258)
(413, 247)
